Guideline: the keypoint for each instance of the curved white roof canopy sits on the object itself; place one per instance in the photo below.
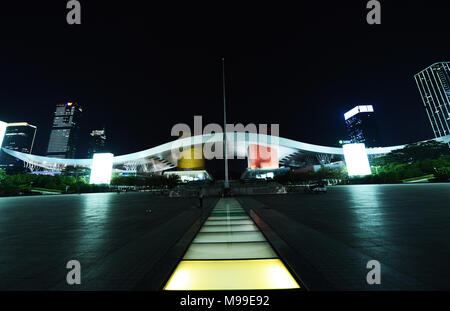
(162, 157)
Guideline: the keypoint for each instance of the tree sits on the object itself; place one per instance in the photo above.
(75, 171)
(414, 160)
(3, 176)
(414, 152)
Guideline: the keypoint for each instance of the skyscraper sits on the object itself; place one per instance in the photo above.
(434, 87)
(18, 137)
(361, 126)
(97, 142)
(64, 133)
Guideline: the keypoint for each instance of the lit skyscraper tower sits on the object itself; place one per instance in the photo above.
(361, 126)
(434, 87)
(18, 137)
(97, 142)
(64, 134)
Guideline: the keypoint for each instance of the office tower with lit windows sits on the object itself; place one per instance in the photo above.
(362, 126)
(64, 134)
(434, 88)
(97, 142)
(18, 137)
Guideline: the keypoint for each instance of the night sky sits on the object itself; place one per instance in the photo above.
(138, 70)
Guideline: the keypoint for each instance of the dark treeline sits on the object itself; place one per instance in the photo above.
(154, 181)
(415, 160)
(429, 159)
(75, 181)
(24, 184)
(293, 177)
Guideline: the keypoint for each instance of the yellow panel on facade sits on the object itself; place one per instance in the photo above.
(192, 159)
(231, 275)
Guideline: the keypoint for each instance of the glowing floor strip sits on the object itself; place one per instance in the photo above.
(230, 253)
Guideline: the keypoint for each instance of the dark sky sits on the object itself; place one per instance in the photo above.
(139, 69)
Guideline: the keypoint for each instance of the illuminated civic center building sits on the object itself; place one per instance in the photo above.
(283, 152)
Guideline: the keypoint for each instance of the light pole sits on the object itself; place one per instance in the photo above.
(226, 184)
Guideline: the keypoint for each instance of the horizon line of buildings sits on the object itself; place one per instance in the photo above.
(433, 84)
(63, 140)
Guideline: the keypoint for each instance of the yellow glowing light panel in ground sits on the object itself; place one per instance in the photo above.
(231, 275)
(230, 253)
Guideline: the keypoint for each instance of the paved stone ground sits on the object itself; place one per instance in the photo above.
(405, 227)
(118, 238)
(122, 239)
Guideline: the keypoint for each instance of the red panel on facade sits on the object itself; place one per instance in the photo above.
(262, 157)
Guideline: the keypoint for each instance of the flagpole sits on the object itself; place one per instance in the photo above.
(227, 185)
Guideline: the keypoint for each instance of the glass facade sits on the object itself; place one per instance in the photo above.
(64, 133)
(362, 126)
(97, 142)
(18, 137)
(434, 88)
